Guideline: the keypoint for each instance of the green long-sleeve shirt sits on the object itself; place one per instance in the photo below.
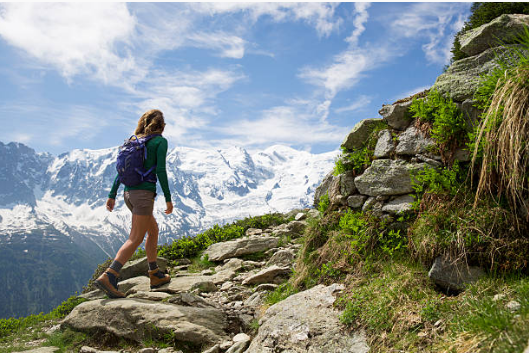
(156, 154)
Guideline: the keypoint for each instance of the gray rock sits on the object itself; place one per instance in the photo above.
(181, 284)
(356, 201)
(255, 300)
(282, 258)
(153, 296)
(434, 163)
(399, 204)
(300, 216)
(43, 350)
(139, 267)
(189, 299)
(462, 78)
(306, 322)
(147, 350)
(204, 287)
(502, 30)
(239, 247)
(384, 145)
(360, 133)
(513, 306)
(214, 349)
(267, 275)
(314, 213)
(387, 177)
(239, 347)
(397, 115)
(253, 231)
(266, 287)
(453, 275)
(335, 193)
(341, 187)
(413, 141)
(95, 294)
(470, 113)
(323, 188)
(136, 319)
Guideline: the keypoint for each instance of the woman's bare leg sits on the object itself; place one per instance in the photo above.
(151, 244)
(140, 225)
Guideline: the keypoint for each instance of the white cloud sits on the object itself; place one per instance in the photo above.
(78, 122)
(229, 46)
(361, 102)
(346, 69)
(360, 19)
(318, 15)
(296, 124)
(437, 22)
(74, 38)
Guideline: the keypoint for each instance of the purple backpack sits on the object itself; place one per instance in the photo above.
(131, 157)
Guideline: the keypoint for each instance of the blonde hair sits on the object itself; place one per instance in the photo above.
(151, 122)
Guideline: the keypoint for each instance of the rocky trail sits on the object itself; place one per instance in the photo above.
(222, 308)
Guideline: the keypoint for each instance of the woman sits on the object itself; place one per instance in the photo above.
(140, 200)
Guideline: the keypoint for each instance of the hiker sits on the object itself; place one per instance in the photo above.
(140, 200)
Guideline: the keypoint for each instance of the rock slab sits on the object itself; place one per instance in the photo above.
(240, 247)
(306, 322)
(387, 177)
(136, 319)
(453, 275)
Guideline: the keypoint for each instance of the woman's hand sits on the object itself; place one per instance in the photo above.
(169, 209)
(110, 204)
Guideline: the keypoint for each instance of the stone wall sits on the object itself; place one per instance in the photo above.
(385, 187)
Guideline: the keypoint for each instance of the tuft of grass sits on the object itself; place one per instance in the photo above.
(501, 138)
(282, 292)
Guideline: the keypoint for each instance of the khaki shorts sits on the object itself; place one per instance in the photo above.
(140, 202)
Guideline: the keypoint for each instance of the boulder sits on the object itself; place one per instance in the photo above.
(239, 347)
(397, 115)
(306, 322)
(267, 275)
(387, 177)
(282, 258)
(323, 188)
(140, 267)
(399, 204)
(239, 247)
(462, 78)
(453, 275)
(335, 193)
(356, 201)
(412, 142)
(137, 319)
(503, 30)
(384, 145)
(360, 134)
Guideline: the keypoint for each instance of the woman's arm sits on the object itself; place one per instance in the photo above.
(161, 172)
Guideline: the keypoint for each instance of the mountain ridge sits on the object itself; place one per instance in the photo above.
(64, 197)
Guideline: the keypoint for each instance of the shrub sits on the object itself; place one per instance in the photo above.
(448, 126)
(192, 246)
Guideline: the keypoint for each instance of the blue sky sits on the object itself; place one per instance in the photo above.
(253, 75)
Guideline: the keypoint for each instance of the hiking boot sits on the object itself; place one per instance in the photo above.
(158, 278)
(108, 283)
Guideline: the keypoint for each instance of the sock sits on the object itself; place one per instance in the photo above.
(153, 265)
(116, 266)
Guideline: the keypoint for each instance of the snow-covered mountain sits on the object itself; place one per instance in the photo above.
(55, 229)
(67, 194)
